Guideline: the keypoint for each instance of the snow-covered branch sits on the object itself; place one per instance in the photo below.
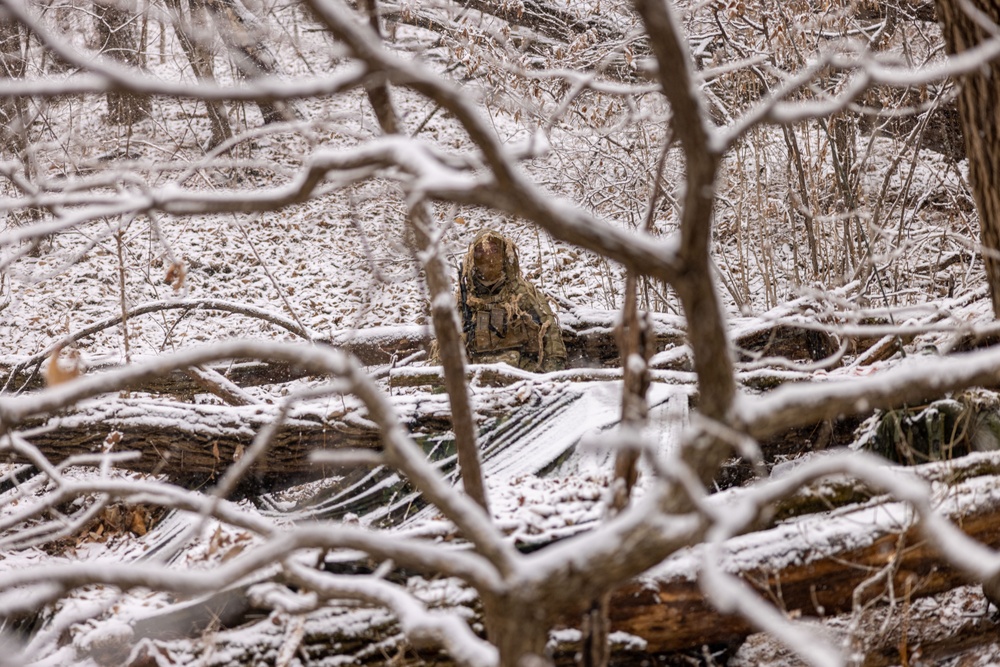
(29, 588)
(420, 625)
(909, 383)
(104, 75)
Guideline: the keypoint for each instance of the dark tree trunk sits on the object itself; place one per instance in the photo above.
(116, 30)
(519, 630)
(200, 58)
(243, 35)
(978, 102)
(13, 130)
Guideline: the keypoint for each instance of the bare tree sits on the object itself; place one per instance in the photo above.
(966, 25)
(13, 112)
(244, 35)
(200, 58)
(522, 597)
(118, 33)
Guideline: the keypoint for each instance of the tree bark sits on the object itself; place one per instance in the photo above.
(243, 35)
(199, 57)
(116, 31)
(672, 613)
(444, 314)
(978, 101)
(194, 444)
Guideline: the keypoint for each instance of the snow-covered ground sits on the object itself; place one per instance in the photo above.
(340, 262)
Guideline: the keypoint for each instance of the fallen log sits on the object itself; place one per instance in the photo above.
(372, 347)
(589, 336)
(821, 565)
(503, 375)
(811, 567)
(192, 444)
(953, 628)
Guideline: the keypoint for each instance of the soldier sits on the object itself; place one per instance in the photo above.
(504, 317)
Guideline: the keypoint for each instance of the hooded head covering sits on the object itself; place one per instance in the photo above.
(490, 263)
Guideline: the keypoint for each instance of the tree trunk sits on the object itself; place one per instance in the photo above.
(519, 631)
(243, 34)
(444, 317)
(13, 110)
(116, 30)
(199, 56)
(978, 101)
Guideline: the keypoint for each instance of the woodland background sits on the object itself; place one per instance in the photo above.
(230, 231)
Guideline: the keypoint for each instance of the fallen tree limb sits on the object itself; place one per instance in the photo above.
(375, 346)
(589, 336)
(502, 375)
(194, 443)
(925, 632)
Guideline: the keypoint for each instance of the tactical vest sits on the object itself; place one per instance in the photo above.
(501, 326)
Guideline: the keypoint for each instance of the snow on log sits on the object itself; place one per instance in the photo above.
(193, 443)
(589, 336)
(818, 565)
(813, 565)
(372, 347)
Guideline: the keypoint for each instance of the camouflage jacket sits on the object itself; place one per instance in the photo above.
(510, 321)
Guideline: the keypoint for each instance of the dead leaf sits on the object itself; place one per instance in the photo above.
(138, 523)
(62, 367)
(112, 439)
(176, 274)
(232, 553)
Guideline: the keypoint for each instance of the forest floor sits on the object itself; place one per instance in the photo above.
(337, 267)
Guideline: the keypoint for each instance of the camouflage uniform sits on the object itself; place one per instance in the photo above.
(504, 317)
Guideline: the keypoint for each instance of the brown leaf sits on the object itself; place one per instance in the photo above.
(138, 523)
(232, 553)
(61, 367)
(176, 274)
(112, 439)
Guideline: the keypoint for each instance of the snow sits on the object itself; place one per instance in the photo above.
(337, 267)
